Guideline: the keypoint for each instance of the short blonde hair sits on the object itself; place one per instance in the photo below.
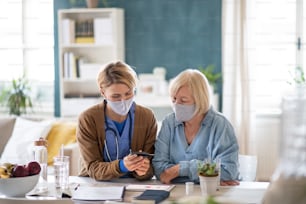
(117, 73)
(198, 85)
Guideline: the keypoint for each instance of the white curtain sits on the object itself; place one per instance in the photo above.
(237, 81)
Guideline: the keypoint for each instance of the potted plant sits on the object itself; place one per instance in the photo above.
(212, 76)
(298, 78)
(208, 172)
(17, 96)
(89, 3)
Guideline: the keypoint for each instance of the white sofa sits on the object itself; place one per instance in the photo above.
(17, 135)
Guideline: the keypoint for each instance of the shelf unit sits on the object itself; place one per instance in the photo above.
(101, 32)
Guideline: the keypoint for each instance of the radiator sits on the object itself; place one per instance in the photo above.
(266, 143)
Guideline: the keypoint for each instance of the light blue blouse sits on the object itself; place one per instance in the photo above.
(215, 140)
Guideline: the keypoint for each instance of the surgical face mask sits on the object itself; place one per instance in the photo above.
(183, 112)
(121, 107)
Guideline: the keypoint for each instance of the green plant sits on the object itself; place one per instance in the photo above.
(17, 96)
(298, 77)
(196, 200)
(208, 168)
(212, 76)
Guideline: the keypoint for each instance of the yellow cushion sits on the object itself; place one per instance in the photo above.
(60, 133)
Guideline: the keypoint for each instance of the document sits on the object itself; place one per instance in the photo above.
(143, 187)
(114, 193)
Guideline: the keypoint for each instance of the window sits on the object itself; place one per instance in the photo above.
(272, 40)
(27, 47)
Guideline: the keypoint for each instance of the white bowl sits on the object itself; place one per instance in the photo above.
(18, 186)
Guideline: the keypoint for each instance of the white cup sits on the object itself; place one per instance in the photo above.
(61, 171)
(189, 188)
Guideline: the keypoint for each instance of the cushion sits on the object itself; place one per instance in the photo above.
(6, 130)
(19, 147)
(62, 132)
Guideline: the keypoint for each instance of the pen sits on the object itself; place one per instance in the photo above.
(77, 186)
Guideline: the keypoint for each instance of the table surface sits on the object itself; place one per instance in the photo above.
(246, 192)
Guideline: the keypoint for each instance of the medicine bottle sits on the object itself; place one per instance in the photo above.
(40, 155)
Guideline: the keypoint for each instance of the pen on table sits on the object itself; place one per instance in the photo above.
(77, 186)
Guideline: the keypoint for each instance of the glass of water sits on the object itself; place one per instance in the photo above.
(61, 171)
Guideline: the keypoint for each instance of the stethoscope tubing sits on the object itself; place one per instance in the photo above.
(107, 128)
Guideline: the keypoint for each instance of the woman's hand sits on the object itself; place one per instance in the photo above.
(133, 162)
(169, 174)
(229, 183)
(143, 169)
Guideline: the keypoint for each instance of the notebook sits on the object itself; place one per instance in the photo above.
(155, 196)
(143, 187)
(99, 193)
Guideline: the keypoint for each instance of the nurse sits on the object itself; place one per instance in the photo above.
(108, 132)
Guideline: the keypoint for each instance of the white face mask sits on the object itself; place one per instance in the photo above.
(183, 112)
(121, 107)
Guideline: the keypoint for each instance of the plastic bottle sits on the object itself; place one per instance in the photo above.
(40, 155)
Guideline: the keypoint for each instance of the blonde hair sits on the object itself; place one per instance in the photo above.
(117, 73)
(198, 85)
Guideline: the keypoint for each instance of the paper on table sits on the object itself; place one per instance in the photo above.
(98, 193)
(143, 187)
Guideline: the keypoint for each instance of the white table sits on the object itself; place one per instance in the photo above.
(246, 192)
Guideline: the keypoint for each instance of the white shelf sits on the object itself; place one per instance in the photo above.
(86, 45)
(77, 93)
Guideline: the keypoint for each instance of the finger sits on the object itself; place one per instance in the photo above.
(229, 183)
(146, 160)
(135, 164)
(143, 168)
(131, 156)
(136, 158)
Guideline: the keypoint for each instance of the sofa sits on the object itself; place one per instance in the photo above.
(17, 136)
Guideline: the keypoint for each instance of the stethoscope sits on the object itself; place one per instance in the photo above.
(114, 132)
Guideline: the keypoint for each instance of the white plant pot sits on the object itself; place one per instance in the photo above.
(208, 185)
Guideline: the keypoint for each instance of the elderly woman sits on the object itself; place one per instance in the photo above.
(193, 133)
(108, 132)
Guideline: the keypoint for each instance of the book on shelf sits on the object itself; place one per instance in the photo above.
(69, 65)
(84, 31)
(84, 28)
(103, 31)
(84, 40)
(68, 31)
(66, 65)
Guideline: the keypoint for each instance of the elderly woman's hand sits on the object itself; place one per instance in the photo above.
(169, 174)
(229, 183)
